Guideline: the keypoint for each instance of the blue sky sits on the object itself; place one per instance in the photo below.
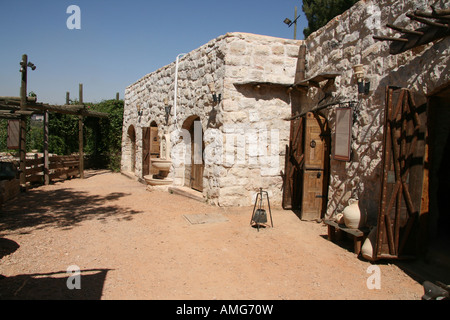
(120, 41)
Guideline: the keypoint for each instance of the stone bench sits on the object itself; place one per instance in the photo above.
(357, 234)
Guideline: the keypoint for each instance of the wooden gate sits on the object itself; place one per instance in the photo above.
(307, 157)
(402, 179)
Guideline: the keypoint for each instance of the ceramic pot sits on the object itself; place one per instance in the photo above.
(368, 246)
(340, 218)
(352, 215)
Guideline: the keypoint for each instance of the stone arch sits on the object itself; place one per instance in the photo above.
(130, 150)
(193, 174)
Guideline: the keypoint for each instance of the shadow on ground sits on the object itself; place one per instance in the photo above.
(62, 208)
(54, 286)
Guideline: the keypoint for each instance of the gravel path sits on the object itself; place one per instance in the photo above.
(130, 243)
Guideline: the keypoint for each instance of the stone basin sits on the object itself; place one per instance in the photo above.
(161, 164)
(153, 180)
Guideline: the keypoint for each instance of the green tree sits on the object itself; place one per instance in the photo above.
(105, 135)
(320, 12)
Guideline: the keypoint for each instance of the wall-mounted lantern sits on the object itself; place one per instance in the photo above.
(216, 97)
(139, 109)
(363, 85)
(167, 109)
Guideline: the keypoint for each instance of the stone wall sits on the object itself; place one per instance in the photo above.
(9, 189)
(347, 41)
(244, 134)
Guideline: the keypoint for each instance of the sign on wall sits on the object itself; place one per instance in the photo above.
(343, 134)
(13, 140)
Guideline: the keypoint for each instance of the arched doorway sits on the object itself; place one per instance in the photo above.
(131, 144)
(195, 168)
(150, 148)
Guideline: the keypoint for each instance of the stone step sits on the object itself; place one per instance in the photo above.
(187, 192)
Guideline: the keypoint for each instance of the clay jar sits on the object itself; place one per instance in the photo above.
(369, 245)
(352, 215)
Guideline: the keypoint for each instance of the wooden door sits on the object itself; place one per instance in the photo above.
(402, 179)
(315, 168)
(154, 147)
(197, 161)
(145, 151)
(293, 176)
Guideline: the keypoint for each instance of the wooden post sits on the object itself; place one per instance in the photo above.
(81, 93)
(23, 123)
(301, 65)
(46, 159)
(117, 96)
(80, 136)
(67, 98)
(295, 24)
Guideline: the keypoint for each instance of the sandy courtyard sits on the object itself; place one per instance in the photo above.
(130, 243)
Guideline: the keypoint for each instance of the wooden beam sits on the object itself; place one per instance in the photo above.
(440, 12)
(384, 38)
(66, 109)
(430, 34)
(29, 99)
(418, 33)
(432, 15)
(426, 21)
(17, 112)
(69, 109)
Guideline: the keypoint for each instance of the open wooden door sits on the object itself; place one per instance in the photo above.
(197, 160)
(307, 167)
(315, 168)
(402, 179)
(145, 151)
(293, 176)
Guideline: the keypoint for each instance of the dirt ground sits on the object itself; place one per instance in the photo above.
(130, 243)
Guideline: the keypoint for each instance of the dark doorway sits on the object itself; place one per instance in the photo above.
(439, 184)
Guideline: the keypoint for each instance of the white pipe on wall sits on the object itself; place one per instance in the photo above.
(176, 88)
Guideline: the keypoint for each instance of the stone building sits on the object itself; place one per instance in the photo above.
(339, 116)
(241, 131)
(382, 114)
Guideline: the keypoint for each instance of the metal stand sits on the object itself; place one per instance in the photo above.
(259, 216)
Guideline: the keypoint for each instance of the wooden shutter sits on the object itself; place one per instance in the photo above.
(402, 179)
(13, 139)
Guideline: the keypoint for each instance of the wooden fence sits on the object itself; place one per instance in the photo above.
(60, 168)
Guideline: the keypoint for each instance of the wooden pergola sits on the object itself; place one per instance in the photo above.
(20, 108)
